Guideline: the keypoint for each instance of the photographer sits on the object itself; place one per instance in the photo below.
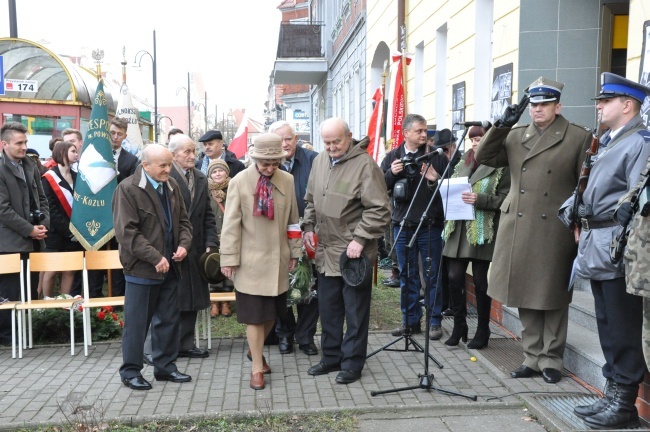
(24, 213)
(402, 172)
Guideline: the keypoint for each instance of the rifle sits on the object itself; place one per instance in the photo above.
(584, 179)
(618, 244)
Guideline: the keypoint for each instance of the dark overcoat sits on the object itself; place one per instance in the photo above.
(15, 205)
(193, 292)
(534, 251)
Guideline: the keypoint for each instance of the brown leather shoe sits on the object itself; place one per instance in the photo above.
(266, 369)
(225, 309)
(257, 381)
(214, 311)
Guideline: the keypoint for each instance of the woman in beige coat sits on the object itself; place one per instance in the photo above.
(260, 245)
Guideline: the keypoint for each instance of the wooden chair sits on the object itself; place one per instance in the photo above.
(42, 262)
(98, 260)
(204, 316)
(11, 264)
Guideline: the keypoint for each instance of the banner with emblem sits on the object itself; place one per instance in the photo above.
(397, 99)
(92, 217)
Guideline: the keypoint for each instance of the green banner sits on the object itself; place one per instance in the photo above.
(92, 218)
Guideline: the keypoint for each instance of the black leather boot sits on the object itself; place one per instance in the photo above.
(483, 306)
(620, 412)
(584, 411)
(459, 307)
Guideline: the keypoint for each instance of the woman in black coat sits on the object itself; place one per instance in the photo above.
(58, 185)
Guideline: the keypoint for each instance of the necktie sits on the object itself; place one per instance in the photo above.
(159, 189)
(606, 141)
(187, 175)
(287, 166)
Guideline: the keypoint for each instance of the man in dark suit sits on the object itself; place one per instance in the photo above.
(298, 163)
(125, 164)
(154, 233)
(193, 292)
(213, 149)
(21, 196)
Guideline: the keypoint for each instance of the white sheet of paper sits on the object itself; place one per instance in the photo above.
(451, 191)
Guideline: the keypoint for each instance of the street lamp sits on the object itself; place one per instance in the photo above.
(137, 61)
(205, 110)
(189, 112)
(162, 117)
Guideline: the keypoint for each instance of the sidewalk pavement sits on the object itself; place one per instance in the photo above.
(47, 381)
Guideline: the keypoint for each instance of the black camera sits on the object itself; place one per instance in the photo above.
(36, 217)
(411, 166)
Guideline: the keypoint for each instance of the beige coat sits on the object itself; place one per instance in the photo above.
(259, 246)
(534, 251)
(345, 202)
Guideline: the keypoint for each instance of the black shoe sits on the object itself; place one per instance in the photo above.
(285, 345)
(146, 358)
(480, 339)
(414, 329)
(323, 368)
(458, 333)
(348, 376)
(194, 353)
(136, 383)
(309, 349)
(620, 412)
(176, 377)
(551, 375)
(523, 372)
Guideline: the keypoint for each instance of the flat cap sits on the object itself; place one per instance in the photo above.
(211, 135)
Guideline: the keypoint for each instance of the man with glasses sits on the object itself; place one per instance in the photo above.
(402, 178)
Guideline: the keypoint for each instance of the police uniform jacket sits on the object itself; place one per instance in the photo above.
(534, 251)
(616, 170)
(18, 198)
(193, 293)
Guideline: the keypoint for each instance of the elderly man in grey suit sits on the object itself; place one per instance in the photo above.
(154, 233)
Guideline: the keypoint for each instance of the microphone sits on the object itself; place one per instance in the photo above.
(437, 151)
(482, 123)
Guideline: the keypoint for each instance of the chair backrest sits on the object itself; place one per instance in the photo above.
(56, 261)
(10, 264)
(103, 260)
(52, 261)
(99, 260)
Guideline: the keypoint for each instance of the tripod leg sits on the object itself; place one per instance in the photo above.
(384, 347)
(433, 359)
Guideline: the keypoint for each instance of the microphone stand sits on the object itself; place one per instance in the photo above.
(426, 379)
(407, 335)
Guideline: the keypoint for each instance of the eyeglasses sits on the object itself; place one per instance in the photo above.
(269, 164)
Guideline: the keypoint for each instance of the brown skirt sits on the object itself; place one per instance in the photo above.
(256, 309)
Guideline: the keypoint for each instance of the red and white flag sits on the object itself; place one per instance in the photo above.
(376, 148)
(396, 102)
(239, 143)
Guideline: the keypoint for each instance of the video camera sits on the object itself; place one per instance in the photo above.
(412, 166)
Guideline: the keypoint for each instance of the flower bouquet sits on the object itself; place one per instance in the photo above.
(301, 282)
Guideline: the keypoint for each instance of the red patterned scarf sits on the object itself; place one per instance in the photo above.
(263, 197)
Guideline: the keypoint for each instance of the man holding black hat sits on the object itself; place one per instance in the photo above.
(347, 207)
(213, 149)
(545, 158)
(622, 155)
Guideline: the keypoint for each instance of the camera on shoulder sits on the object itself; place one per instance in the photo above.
(411, 166)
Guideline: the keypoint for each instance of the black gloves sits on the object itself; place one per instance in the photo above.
(512, 113)
(624, 214)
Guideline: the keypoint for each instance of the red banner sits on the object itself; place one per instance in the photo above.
(375, 148)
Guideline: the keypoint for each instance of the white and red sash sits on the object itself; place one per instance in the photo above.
(64, 195)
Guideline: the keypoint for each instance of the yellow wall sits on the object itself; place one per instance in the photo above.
(639, 13)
